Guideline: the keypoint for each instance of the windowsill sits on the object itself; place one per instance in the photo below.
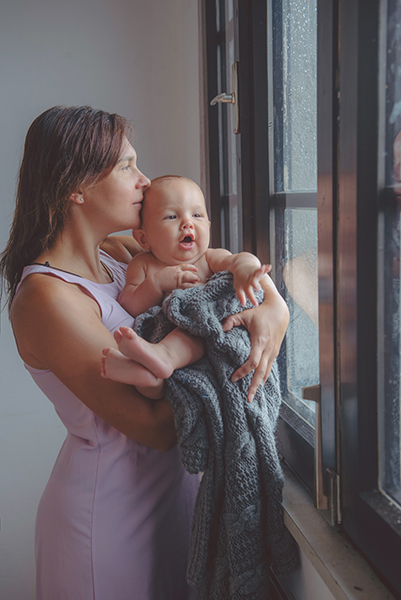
(344, 571)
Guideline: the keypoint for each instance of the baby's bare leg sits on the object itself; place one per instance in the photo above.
(118, 367)
(178, 349)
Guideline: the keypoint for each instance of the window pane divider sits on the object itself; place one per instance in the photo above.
(301, 199)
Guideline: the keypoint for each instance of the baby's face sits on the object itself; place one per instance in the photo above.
(175, 221)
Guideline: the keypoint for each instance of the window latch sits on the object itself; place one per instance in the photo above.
(230, 98)
(223, 98)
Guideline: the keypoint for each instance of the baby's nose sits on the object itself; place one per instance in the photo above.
(187, 223)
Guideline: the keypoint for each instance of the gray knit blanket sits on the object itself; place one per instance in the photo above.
(237, 530)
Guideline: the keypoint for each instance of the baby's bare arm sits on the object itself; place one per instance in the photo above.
(245, 267)
(148, 282)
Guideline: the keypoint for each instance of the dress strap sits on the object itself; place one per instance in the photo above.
(47, 264)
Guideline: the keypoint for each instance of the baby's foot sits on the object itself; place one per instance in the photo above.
(154, 357)
(118, 367)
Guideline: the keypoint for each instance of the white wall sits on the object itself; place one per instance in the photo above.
(135, 57)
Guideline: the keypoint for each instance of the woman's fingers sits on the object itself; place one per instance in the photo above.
(260, 361)
(262, 354)
(250, 365)
(261, 374)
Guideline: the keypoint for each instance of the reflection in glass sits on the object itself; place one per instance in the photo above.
(300, 277)
(389, 270)
(294, 117)
(298, 29)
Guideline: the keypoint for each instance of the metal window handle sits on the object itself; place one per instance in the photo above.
(226, 98)
(232, 98)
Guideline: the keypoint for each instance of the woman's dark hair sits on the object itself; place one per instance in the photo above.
(66, 149)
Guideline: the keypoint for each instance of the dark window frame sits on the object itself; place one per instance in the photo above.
(368, 517)
(347, 196)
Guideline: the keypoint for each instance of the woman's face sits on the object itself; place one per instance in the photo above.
(116, 200)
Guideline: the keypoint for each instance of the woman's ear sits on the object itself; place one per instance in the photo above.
(141, 237)
(77, 197)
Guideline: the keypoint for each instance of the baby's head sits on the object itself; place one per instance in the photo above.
(174, 222)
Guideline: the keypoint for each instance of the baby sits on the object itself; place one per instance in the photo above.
(174, 233)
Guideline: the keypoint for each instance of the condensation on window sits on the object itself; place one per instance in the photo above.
(390, 258)
(300, 277)
(299, 49)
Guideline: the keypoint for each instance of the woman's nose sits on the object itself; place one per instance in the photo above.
(143, 181)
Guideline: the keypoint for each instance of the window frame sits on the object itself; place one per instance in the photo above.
(350, 209)
(296, 440)
(368, 516)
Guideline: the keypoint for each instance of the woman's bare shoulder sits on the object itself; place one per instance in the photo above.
(39, 290)
(121, 247)
(46, 304)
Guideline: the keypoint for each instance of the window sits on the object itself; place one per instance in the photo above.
(316, 164)
(389, 257)
(292, 79)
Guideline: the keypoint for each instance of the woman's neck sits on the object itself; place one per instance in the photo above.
(77, 256)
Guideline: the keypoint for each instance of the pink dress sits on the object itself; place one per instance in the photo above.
(113, 522)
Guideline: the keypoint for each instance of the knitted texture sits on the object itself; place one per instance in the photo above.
(237, 530)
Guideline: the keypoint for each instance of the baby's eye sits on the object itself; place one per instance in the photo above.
(198, 215)
(171, 217)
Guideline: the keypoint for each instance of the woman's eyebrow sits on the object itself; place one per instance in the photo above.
(127, 158)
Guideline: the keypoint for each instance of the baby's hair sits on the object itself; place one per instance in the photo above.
(165, 178)
(158, 181)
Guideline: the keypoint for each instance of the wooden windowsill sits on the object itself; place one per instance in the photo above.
(344, 571)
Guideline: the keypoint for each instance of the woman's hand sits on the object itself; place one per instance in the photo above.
(267, 325)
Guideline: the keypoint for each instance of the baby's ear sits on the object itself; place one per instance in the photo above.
(141, 237)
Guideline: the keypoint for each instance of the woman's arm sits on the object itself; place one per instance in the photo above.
(58, 327)
(267, 325)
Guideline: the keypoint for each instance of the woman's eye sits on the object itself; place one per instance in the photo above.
(127, 168)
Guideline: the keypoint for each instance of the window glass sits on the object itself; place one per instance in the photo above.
(300, 277)
(299, 93)
(389, 263)
(294, 83)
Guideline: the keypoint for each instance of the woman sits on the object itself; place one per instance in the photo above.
(114, 519)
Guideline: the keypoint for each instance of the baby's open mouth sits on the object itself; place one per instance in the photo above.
(187, 242)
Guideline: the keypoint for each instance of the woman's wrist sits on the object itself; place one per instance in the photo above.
(274, 301)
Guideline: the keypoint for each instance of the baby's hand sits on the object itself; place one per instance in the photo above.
(245, 283)
(177, 277)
